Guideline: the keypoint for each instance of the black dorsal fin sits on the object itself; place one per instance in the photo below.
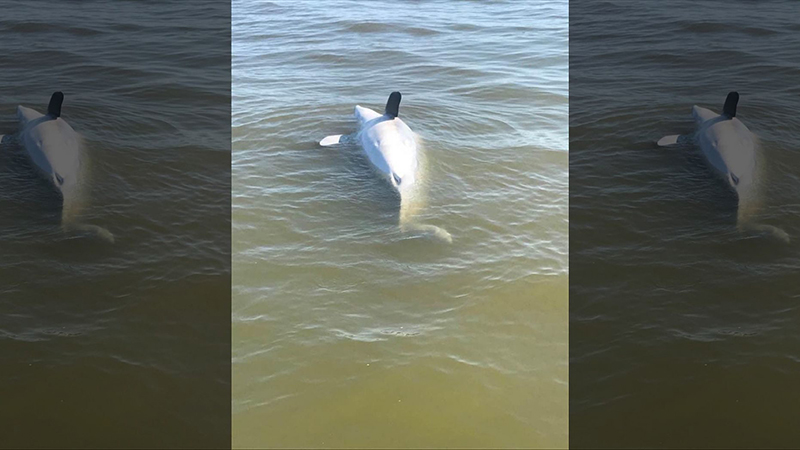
(54, 108)
(729, 109)
(393, 105)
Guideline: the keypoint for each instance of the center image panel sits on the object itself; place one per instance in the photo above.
(400, 221)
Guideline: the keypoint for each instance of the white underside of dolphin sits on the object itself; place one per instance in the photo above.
(731, 150)
(55, 149)
(392, 149)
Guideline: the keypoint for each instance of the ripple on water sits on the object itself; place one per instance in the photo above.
(336, 310)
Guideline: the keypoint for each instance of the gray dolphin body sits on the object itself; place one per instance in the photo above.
(730, 149)
(55, 149)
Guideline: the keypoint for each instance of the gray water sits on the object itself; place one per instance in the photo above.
(124, 343)
(683, 330)
(347, 331)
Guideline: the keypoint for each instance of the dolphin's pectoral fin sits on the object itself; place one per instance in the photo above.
(734, 179)
(59, 178)
(330, 140)
(336, 139)
(673, 140)
(396, 178)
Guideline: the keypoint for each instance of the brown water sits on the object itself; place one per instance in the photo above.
(123, 344)
(348, 332)
(683, 331)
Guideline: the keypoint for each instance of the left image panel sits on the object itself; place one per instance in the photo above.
(115, 224)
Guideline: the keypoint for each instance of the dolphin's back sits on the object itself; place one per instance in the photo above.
(389, 144)
(25, 115)
(52, 145)
(728, 145)
(364, 115)
(701, 114)
(737, 145)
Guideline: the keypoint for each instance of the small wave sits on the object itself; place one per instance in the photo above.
(94, 230)
(432, 231)
(769, 230)
(377, 27)
(716, 27)
(40, 27)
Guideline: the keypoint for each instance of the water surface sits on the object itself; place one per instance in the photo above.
(127, 343)
(683, 331)
(348, 332)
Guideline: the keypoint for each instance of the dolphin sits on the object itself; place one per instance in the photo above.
(55, 149)
(391, 148)
(53, 146)
(730, 149)
(388, 142)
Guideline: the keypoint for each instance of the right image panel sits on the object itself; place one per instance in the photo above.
(684, 203)
(684, 200)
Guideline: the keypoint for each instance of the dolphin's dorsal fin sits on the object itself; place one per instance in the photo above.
(54, 108)
(729, 110)
(393, 105)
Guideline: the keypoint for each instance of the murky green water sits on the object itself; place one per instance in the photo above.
(348, 332)
(123, 344)
(683, 331)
